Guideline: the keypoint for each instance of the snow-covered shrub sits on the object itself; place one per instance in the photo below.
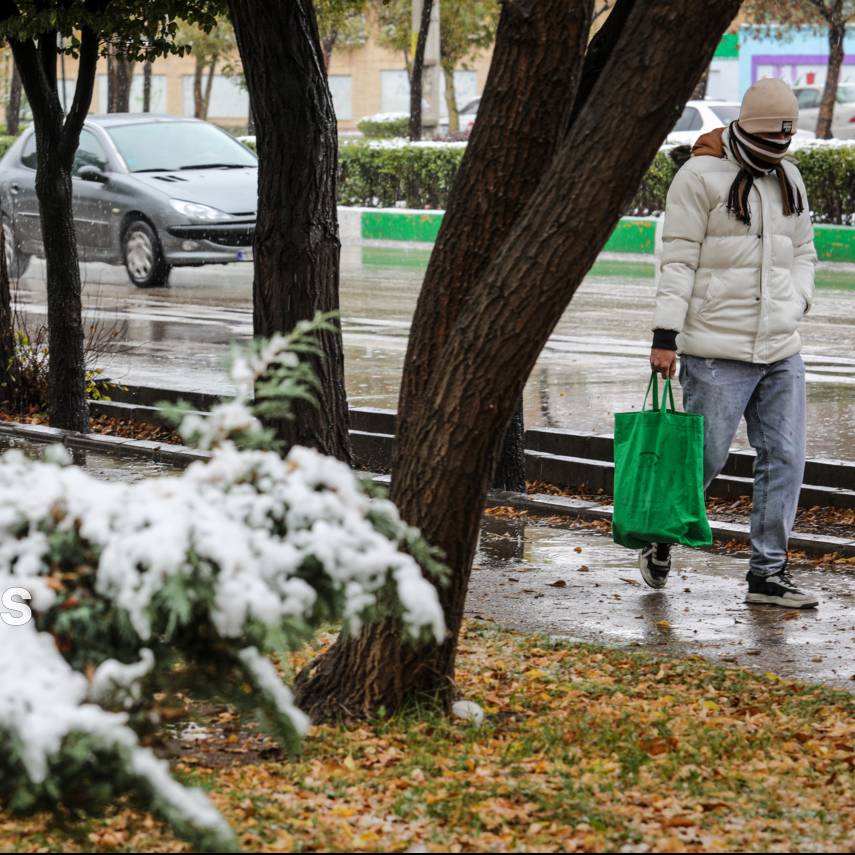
(52, 739)
(384, 125)
(210, 569)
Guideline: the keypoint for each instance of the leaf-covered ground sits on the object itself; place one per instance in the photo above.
(582, 749)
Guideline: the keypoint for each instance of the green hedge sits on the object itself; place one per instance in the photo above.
(384, 127)
(379, 176)
(421, 175)
(829, 174)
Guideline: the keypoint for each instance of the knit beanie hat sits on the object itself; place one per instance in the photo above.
(769, 107)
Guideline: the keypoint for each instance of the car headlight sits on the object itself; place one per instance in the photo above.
(198, 212)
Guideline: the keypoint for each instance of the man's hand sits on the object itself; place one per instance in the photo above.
(663, 362)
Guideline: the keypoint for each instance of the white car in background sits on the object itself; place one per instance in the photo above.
(700, 117)
(843, 122)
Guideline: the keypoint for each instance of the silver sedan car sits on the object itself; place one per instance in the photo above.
(150, 192)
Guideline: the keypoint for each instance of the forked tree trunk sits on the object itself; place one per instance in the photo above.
(416, 73)
(836, 35)
(296, 238)
(57, 137)
(13, 106)
(457, 399)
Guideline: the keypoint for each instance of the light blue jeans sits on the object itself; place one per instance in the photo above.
(772, 399)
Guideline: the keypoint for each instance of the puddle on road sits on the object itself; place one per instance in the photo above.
(577, 584)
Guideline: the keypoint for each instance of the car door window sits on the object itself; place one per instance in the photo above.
(89, 153)
(689, 121)
(808, 98)
(28, 155)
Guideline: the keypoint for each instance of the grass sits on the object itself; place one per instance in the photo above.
(583, 748)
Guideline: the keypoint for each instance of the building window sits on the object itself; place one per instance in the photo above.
(394, 92)
(229, 100)
(341, 87)
(158, 93)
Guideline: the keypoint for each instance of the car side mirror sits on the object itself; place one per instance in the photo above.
(91, 173)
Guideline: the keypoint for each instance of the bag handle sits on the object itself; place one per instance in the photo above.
(667, 394)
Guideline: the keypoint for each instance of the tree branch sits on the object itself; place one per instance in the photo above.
(599, 52)
(82, 93)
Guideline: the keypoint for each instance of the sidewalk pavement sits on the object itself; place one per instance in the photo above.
(576, 584)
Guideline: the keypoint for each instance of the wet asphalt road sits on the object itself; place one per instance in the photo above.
(594, 364)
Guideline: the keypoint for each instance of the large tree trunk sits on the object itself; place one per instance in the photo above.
(13, 107)
(836, 35)
(472, 348)
(57, 137)
(700, 91)
(451, 99)
(296, 238)
(416, 73)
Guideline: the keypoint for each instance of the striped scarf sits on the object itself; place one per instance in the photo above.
(758, 156)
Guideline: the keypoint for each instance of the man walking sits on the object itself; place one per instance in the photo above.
(737, 276)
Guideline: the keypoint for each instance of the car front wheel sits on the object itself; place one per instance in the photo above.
(143, 256)
(16, 261)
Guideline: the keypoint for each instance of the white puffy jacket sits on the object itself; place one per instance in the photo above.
(733, 291)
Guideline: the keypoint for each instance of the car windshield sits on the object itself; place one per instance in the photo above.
(168, 146)
(846, 94)
(725, 113)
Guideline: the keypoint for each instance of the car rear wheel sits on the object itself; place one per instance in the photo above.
(143, 256)
(16, 261)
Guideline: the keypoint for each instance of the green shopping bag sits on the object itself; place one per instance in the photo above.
(659, 475)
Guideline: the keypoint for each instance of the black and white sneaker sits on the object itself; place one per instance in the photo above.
(654, 561)
(778, 590)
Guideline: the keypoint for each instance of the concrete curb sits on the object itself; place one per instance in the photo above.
(538, 504)
(634, 236)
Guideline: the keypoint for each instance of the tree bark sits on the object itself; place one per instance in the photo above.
(451, 100)
(416, 73)
(296, 246)
(471, 350)
(836, 35)
(146, 87)
(57, 138)
(13, 107)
